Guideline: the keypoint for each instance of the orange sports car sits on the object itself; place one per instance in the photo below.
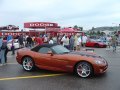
(57, 58)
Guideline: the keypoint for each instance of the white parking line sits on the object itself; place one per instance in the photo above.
(10, 56)
(12, 63)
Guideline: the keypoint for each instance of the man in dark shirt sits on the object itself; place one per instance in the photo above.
(20, 40)
(29, 41)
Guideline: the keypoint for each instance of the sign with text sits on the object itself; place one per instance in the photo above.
(39, 25)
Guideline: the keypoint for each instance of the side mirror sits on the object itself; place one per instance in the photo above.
(50, 52)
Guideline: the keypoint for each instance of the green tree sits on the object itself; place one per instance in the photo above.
(76, 26)
(81, 28)
(93, 28)
(102, 33)
(98, 33)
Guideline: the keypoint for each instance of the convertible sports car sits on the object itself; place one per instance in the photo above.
(95, 43)
(57, 58)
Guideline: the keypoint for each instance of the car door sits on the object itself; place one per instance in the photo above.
(59, 62)
(50, 61)
(89, 43)
(42, 58)
(16, 45)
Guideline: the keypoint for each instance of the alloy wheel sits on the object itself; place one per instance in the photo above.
(28, 64)
(84, 69)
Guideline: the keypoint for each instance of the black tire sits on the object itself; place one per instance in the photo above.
(28, 64)
(96, 45)
(84, 69)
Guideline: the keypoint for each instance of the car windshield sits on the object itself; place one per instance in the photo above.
(99, 40)
(60, 49)
(92, 40)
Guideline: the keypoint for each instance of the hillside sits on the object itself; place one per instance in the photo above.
(105, 28)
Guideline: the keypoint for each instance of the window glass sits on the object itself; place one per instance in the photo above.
(44, 50)
(60, 49)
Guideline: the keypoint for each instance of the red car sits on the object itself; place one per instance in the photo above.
(57, 58)
(95, 43)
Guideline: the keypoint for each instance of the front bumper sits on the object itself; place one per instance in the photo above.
(99, 69)
(103, 46)
(18, 59)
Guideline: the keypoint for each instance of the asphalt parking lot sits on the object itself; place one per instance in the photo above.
(13, 77)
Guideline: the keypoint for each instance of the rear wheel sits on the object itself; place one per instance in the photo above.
(84, 69)
(28, 64)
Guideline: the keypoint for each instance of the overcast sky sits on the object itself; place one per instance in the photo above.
(85, 13)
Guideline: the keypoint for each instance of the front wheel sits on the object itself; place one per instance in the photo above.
(28, 64)
(84, 69)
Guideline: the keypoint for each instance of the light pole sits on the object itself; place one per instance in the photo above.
(119, 31)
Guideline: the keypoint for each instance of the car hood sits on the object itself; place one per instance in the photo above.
(85, 53)
(102, 43)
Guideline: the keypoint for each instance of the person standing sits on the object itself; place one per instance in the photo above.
(9, 37)
(0, 47)
(71, 42)
(29, 41)
(45, 39)
(6, 50)
(84, 40)
(20, 39)
(79, 41)
(13, 47)
(65, 41)
(114, 43)
(51, 41)
(3, 49)
(39, 40)
(33, 40)
(108, 41)
(54, 39)
(75, 42)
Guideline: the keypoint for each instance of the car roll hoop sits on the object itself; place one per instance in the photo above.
(50, 52)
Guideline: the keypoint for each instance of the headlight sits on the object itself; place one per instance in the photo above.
(99, 62)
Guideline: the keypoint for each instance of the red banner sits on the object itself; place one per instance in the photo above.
(40, 25)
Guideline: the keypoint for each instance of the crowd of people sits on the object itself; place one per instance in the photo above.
(72, 42)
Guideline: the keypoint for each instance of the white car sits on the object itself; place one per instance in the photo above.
(16, 44)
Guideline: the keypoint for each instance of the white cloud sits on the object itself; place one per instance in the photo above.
(25, 5)
(86, 13)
